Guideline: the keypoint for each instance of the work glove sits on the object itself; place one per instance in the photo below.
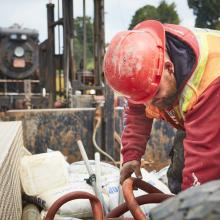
(133, 166)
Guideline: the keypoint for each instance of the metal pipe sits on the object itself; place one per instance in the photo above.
(66, 43)
(59, 47)
(19, 94)
(50, 54)
(17, 81)
(95, 203)
(71, 36)
(99, 39)
(84, 40)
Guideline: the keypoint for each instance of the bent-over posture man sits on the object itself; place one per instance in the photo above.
(171, 73)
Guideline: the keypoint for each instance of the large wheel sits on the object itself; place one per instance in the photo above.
(198, 203)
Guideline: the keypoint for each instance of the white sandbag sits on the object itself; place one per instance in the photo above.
(78, 170)
(111, 187)
(41, 172)
(162, 175)
(79, 208)
(57, 217)
(109, 179)
(152, 179)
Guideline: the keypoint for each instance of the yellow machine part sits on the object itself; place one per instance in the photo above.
(60, 85)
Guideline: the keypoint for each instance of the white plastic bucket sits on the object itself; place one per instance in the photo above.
(42, 172)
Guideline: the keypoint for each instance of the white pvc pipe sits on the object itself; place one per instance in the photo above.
(98, 171)
(84, 156)
(90, 171)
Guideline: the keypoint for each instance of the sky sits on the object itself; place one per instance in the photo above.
(118, 13)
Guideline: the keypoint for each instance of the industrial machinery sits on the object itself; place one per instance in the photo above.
(19, 75)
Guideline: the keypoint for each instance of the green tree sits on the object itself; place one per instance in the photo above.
(78, 40)
(144, 13)
(166, 13)
(207, 13)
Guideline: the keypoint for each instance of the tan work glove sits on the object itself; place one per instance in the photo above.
(128, 168)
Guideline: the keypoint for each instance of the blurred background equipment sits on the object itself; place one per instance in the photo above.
(19, 60)
(19, 52)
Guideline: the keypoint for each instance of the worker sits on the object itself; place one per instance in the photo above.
(172, 73)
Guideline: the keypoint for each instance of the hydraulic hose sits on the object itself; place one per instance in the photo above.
(132, 203)
(95, 203)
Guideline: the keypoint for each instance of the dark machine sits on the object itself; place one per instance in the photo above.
(19, 75)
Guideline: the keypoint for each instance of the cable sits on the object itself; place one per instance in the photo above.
(97, 125)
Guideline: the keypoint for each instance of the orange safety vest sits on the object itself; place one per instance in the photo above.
(206, 45)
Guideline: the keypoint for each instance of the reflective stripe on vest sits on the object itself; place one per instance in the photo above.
(191, 91)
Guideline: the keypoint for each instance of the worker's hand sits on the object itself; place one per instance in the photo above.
(128, 168)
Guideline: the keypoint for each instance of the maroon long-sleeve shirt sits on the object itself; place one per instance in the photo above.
(201, 144)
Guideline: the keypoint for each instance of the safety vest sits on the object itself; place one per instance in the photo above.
(206, 46)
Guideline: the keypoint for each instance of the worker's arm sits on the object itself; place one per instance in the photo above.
(136, 132)
(202, 142)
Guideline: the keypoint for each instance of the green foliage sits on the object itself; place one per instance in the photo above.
(207, 13)
(166, 13)
(78, 41)
(144, 13)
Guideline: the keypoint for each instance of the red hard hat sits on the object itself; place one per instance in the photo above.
(134, 61)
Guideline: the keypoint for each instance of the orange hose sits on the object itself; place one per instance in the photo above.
(155, 196)
(95, 203)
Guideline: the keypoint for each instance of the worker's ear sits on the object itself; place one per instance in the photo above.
(169, 66)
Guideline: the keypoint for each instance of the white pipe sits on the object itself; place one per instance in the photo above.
(84, 156)
(91, 173)
(98, 171)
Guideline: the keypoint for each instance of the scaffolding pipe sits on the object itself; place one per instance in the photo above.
(84, 40)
